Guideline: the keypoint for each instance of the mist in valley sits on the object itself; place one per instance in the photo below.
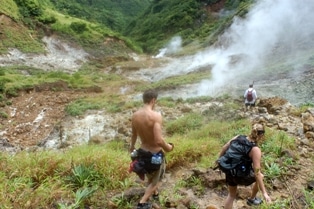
(271, 47)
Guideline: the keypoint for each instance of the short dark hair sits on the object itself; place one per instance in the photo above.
(251, 85)
(149, 94)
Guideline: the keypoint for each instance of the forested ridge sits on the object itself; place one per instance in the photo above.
(143, 25)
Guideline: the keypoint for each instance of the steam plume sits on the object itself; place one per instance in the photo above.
(272, 29)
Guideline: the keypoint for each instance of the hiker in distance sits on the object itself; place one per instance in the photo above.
(247, 171)
(150, 157)
(250, 97)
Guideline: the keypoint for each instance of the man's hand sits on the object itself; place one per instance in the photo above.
(172, 146)
(131, 149)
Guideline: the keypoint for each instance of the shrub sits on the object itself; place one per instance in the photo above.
(47, 19)
(3, 81)
(184, 124)
(29, 8)
(84, 176)
(78, 27)
(3, 115)
(12, 92)
(80, 106)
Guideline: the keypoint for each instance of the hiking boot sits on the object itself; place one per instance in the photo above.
(145, 205)
(254, 201)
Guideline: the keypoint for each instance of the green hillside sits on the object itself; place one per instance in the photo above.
(14, 33)
(142, 25)
(33, 19)
(114, 14)
(192, 20)
(8, 7)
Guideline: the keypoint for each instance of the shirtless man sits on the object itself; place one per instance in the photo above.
(147, 124)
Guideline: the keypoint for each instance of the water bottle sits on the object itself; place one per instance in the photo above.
(159, 158)
(156, 159)
(134, 154)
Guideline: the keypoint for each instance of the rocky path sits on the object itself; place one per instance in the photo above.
(276, 112)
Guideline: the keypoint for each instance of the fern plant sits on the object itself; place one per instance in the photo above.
(85, 176)
(80, 196)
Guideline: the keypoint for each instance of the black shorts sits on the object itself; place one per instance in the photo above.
(250, 104)
(234, 181)
(230, 180)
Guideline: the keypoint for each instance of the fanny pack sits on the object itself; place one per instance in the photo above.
(147, 162)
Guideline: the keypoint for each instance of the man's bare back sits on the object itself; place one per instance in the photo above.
(146, 123)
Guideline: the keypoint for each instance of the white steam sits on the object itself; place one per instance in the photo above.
(59, 56)
(272, 29)
(172, 47)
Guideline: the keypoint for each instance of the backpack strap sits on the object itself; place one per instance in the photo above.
(237, 153)
(248, 145)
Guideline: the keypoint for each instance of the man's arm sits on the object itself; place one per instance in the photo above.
(133, 138)
(158, 135)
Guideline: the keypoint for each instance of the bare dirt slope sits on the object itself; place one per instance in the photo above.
(35, 113)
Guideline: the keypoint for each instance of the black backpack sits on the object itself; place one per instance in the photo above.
(236, 161)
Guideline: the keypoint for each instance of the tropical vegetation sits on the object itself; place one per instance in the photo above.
(89, 175)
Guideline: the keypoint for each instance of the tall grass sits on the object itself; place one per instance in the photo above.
(40, 179)
(83, 175)
(9, 8)
(48, 177)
